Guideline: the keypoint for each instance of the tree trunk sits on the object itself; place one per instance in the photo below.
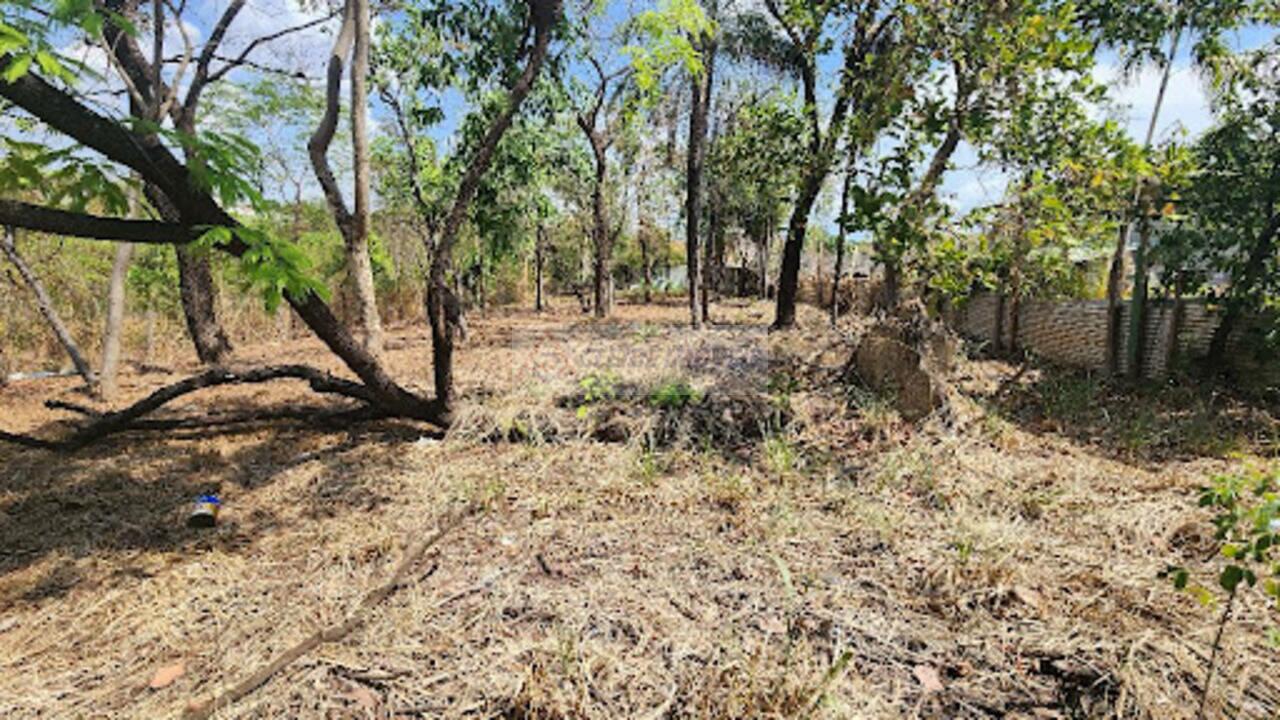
(600, 239)
(199, 306)
(538, 249)
(149, 351)
(997, 344)
(1115, 276)
(1136, 350)
(700, 101)
(115, 320)
(10, 246)
(840, 240)
(789, 278)
(710, 276)
(763, 251)
(441, 304)
(1263, 251)
(359, 265)
(647, 261)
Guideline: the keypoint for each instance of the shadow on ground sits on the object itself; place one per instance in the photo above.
(1175, 419)
(131, 494)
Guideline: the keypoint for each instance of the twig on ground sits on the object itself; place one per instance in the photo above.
(198, 710)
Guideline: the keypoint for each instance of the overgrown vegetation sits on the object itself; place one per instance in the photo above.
(537, 276)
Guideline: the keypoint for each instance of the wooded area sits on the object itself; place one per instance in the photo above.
(930, 324)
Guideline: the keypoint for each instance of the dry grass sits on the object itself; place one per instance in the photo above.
(654, 575)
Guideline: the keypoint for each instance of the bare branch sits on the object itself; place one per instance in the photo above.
(171, 97)
(241, 59)
(208, 53)
(92, 227)
(318, 146)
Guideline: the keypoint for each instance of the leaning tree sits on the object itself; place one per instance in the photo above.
(196, 192)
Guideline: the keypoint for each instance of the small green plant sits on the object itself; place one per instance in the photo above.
(649, 465)
(648, 331)
(598, 387)
(674, 394)
(1247, 524)
(780, 454)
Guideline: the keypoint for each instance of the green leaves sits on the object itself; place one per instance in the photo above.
(273, 267)
(671, 36)
(1247, 523)
(62, 177)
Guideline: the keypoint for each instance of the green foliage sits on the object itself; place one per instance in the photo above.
(754, 166)
(674, 395)
(63, 177)
(1247, 526)
(1223, 213)
(671, 36)
(273, 267)
(598, 387)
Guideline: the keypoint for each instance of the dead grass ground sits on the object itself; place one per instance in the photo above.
(837, 563)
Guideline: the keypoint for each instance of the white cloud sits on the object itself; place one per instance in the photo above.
(1187, 105)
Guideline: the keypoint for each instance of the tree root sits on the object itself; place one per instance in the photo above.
(199, 710)
(101, 425)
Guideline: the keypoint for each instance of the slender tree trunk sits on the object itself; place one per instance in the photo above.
(149, 352)
(693, 196)
(600, 239)
(840, 241)
(700, 89)
(1263, 251)
(997, 344)
(115, 320)
(710, 275)
(1115, 276)
(359, 265)
(789, 277)
(1136, 350)
(544, 15)
(647, 261)
(45, 304)
(538, 251)
(763, 251)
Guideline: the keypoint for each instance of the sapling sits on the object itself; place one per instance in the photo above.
(1248, 528)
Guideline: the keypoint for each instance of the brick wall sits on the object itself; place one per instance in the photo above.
(1074, 333)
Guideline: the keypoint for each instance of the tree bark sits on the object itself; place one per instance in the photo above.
(199, 306)
(359, 265)
(600, 235)
(1136, 350)
(45, 304)
(840, 241)
(789, 277)
(763, 252)
(700, 101)
(646, 260)
(115, 320)
(538, 259)
(997, 342)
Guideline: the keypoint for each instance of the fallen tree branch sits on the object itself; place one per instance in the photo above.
(198, 710)
(104, 424)
(28, 441)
